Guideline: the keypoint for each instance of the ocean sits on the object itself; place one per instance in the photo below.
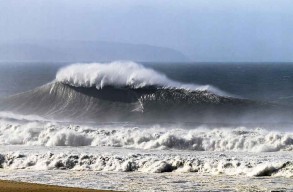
(148, 126)
(260, 81)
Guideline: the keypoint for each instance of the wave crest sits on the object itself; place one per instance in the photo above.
(122, 74)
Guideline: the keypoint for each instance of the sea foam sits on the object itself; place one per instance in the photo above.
(156, 137)
(212, 164)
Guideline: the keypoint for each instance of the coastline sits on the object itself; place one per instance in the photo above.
(11, 186)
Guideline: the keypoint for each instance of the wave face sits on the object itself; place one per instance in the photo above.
(64, 102)
(130, 92)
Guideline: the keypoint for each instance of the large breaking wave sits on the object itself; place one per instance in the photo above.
(122, 74)
(127, 91)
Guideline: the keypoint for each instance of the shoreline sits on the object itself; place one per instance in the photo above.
(12, 186)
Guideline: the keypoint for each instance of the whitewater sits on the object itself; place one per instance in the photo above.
(123, 120)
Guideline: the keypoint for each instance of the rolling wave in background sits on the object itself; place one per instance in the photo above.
(122, 74)
(129, 92)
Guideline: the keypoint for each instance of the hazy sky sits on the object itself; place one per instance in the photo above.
(204, 30)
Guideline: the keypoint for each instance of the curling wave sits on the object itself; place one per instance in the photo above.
(122, 74)
(130, 92)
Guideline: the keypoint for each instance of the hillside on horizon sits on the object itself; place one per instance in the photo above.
(78, 51)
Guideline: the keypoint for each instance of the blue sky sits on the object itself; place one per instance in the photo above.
(204, 30)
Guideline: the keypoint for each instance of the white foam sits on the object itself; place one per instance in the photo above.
(251, 166)
(156, 137)
(121, 74)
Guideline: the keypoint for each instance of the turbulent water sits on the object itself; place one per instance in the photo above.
(129, 117)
